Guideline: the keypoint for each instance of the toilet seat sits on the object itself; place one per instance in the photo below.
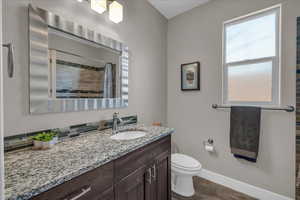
(185, 162)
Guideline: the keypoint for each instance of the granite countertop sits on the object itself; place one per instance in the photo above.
(30, 172)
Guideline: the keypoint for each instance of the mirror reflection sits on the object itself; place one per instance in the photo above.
(80, 68)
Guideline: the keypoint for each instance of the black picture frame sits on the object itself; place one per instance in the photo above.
(197, 68)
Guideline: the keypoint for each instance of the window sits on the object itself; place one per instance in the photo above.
(251, 59)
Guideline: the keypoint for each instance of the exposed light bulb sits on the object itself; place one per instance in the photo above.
(80, 1)
(100, 6)
(116, 12)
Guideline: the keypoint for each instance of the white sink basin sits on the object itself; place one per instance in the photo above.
(128, 135)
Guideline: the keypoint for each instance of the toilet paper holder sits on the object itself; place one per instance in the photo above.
(210, 142)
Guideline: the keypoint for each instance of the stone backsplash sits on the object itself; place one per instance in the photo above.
(24, 140)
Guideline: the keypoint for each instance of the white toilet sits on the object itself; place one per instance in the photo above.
(183, 169)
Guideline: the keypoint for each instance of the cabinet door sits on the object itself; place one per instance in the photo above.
(150, 184)
(163, 176)
(107, 195)
(132, 187)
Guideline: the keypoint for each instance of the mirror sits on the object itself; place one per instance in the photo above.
(73, 68)
(81, 69)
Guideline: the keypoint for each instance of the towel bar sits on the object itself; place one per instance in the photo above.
(287, 108)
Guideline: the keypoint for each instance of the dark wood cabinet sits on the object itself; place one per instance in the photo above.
(144, 174)
(163, 177)
(107, 195)
(153, 162)
(151, 182)
(88, 186)
(132, 187)
(159, 186)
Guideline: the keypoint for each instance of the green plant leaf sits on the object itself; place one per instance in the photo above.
(44, 136)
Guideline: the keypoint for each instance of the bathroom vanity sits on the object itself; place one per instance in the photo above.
(94, 167)
(142, 174)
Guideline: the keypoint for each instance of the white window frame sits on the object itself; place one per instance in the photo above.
(276, 60)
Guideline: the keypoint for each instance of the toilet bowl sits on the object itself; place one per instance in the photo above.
(183, 169)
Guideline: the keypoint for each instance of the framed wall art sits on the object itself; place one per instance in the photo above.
(190, 76)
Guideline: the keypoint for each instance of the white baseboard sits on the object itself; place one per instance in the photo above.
(242, 187)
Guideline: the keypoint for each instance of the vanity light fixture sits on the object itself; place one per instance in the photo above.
(116, 12)
(100, 6)
(115, 9)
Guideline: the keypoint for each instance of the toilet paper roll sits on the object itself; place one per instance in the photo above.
(209, 148)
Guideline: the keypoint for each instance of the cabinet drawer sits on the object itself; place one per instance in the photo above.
(140, 157)
(85, 187)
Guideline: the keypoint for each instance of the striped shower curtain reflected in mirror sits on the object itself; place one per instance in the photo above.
(108, 81)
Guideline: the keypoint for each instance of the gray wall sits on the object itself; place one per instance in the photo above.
(144, 30)
(197, 36)
(1, 119)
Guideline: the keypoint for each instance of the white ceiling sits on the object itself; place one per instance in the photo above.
(171, 8)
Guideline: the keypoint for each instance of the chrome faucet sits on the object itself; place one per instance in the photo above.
(116, 119)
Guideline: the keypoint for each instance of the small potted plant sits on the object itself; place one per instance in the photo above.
(44, 140)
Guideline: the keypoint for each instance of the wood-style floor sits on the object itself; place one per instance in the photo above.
(211, 191)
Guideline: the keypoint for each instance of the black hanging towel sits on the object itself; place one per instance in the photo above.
(245, 132)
